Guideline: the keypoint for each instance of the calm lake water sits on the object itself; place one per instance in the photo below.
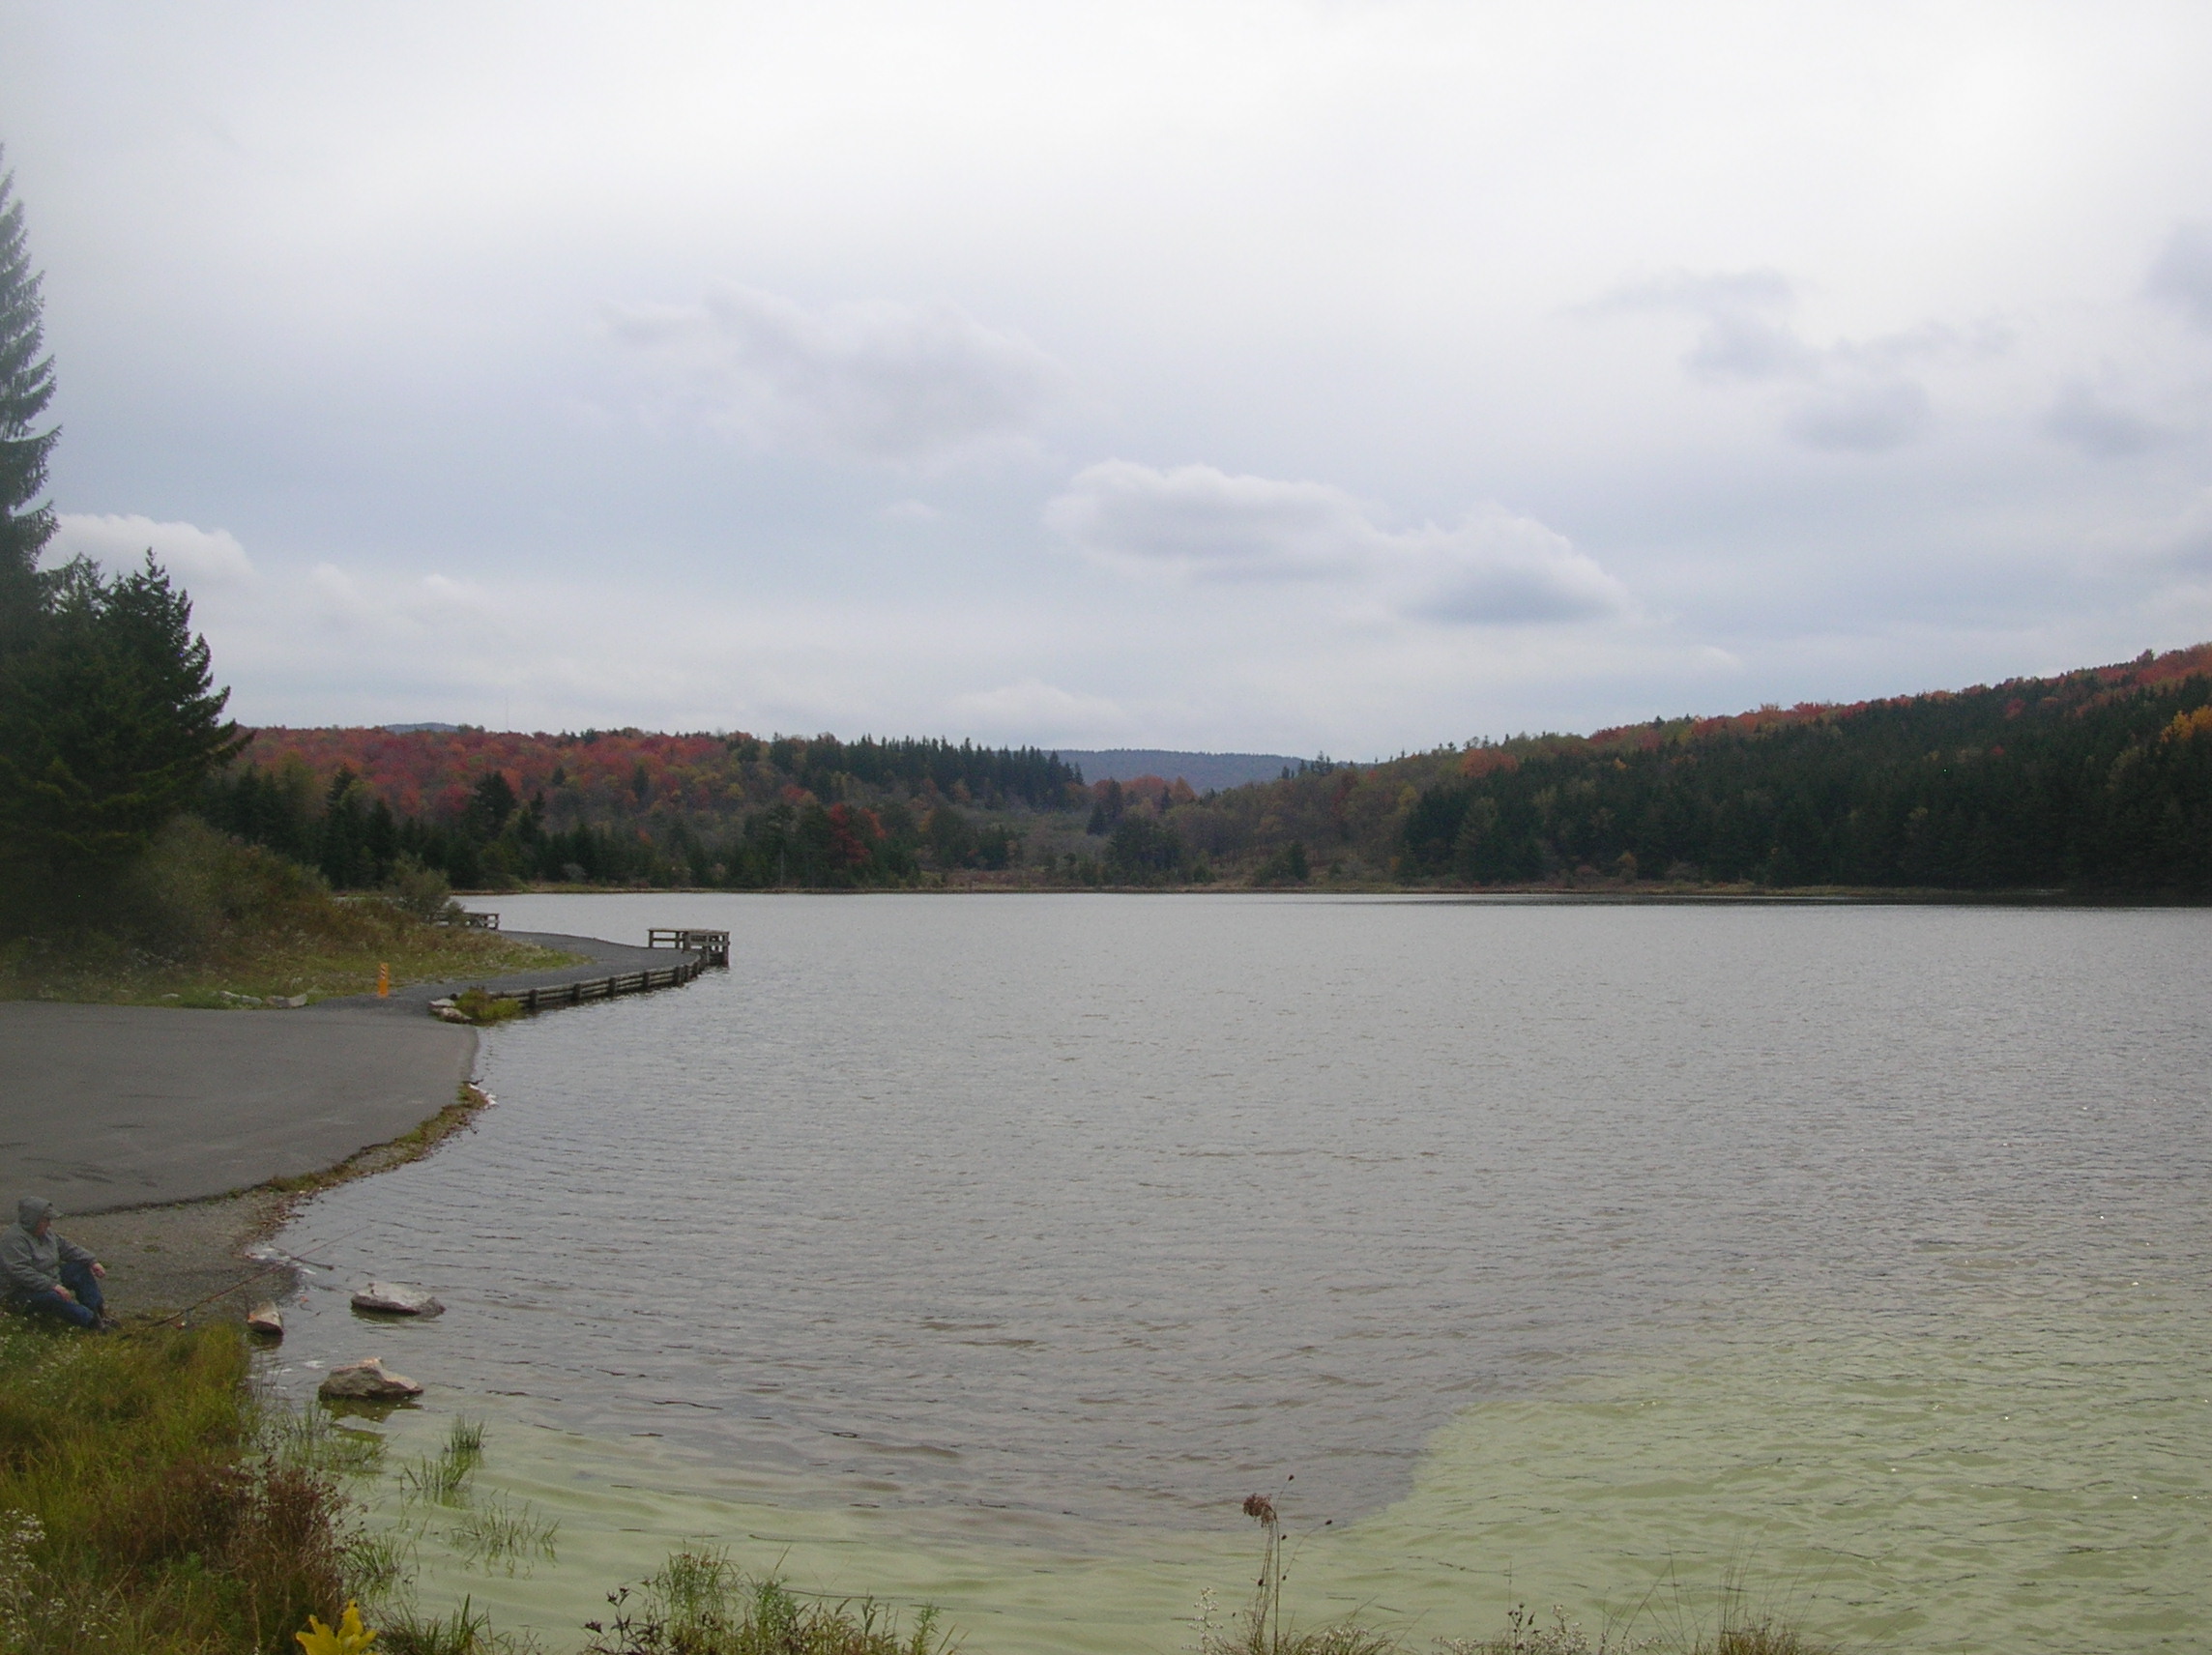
(990, 1250)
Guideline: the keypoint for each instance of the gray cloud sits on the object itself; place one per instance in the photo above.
(1855, 396)
(1864, 417)
(1336, 254)
(880, 381)
(1741, 339)
(2083, 419)
(1208, 523)
(1197, 522)
(2182, 272)
(1743, 346)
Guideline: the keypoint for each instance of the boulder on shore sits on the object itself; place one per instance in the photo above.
(368, 1381)
(265, 1320)
(392, 1298)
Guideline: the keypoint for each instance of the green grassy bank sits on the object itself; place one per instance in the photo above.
(202, 921)
(142, 1508)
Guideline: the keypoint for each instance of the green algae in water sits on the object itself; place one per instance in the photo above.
(2008, 1475)
(2010, 1481)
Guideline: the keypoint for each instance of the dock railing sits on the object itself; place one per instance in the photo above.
(715, 945)
(606, 988)
(705, 948)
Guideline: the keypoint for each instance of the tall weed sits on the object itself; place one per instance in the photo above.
(698, 1602)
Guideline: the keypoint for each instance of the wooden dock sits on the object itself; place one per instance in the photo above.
(705, 948)
(715, 945)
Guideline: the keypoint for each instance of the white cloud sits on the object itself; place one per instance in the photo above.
(389, 607)
(1200, 523)
(194, 556)
(879, 380)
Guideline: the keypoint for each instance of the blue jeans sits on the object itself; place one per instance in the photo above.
(78, 1278)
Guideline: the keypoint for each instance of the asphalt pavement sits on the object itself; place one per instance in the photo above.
(113, 1106)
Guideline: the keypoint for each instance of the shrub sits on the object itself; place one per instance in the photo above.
(427, 893)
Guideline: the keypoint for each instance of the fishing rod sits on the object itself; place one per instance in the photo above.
(183, 1315)
(290, 1259)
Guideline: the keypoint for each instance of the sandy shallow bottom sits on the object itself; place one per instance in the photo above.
(2016, 1476)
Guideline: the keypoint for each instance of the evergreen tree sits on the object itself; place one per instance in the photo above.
(26, 387)
(109, 725)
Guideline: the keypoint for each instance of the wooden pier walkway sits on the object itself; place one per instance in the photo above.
(705, 948)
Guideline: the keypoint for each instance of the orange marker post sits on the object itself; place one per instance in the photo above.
(384, 982)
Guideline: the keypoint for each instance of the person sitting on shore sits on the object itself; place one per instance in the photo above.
(49, 1274)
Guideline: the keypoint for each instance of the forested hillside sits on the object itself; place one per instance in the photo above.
(620, 807)
(2096, 781)
(2099, 780)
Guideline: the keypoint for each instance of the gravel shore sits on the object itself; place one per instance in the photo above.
(162, 1261)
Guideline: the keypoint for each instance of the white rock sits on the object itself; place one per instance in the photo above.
(392, 1298)
(266, 1319)
(368, 1381)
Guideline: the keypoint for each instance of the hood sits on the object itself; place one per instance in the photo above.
(30, 1209)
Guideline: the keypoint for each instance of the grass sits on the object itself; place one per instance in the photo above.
(205, 922)
(495, 1534)
(700, 1604)
(481, 1006)
(144, 1511)
(1262, 1628)
(443, 1478)
(508, 1537)
(1526, 1635)
(467, 1631)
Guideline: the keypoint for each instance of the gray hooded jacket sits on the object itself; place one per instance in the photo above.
(29, 1262)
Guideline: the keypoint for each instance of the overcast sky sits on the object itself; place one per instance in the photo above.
(1337, 376)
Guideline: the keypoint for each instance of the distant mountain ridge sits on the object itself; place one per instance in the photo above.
(1204, 772)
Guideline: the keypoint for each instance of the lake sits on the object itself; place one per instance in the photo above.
(989, 1250)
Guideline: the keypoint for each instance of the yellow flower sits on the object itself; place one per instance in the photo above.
(350, 1638)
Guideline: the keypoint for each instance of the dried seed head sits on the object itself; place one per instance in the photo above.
(1261, 1509)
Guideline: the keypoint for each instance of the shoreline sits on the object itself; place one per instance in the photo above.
(1750, 896)
(190, 1258)
(168, 1260)
(118, 1106)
